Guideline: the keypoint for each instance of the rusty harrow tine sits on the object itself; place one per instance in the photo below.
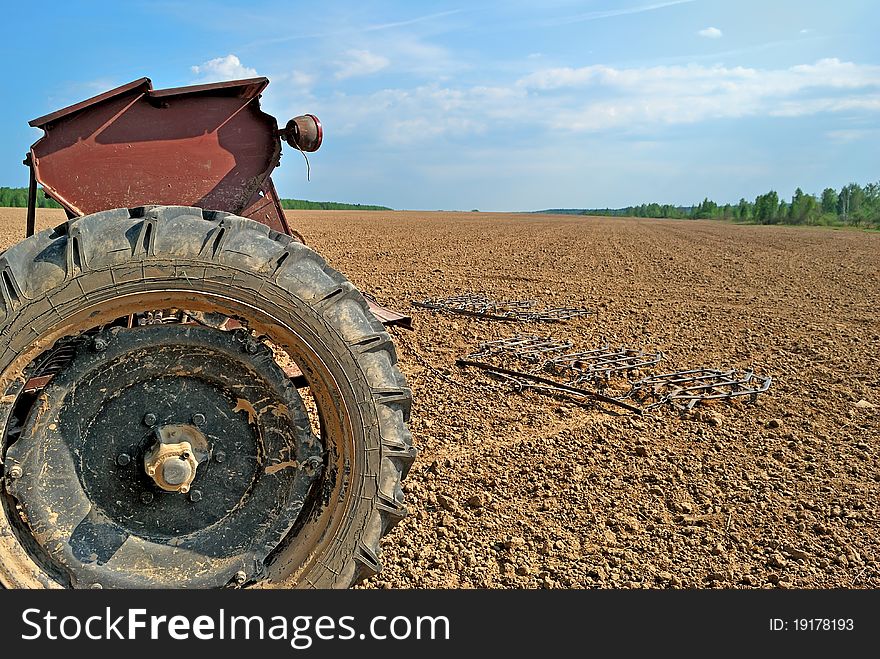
(602, 362)
(562, 313)
(551, 383)
(470, 304)
(527, 348)
(691, 387)
(741, 384)
(694, 375)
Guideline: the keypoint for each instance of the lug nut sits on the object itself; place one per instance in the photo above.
(195, 496)
(240, 577)
(123, 459)
(147, 497)
(15, 472)
(198, 419)
(149, 419)
(99, 344)
(220, 457)
(251, 347)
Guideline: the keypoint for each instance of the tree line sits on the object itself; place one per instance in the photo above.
(852, 205)
(17, 198)
(302, 204)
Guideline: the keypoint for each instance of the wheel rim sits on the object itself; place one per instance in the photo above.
(308, 533)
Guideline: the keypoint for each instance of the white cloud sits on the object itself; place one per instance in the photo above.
(687, 94)
(847, 135)
(224, 68)
(710, 33)
(419, 114)
(410, 21)
(336, 31)
(609, 13)
(302, 79)
(597, 98)
(694, 78)
(360, 63)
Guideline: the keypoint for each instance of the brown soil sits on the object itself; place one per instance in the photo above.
(523, 490)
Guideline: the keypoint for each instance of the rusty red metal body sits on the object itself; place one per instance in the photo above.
(209, 146)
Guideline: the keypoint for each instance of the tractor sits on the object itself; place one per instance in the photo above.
(190, 397)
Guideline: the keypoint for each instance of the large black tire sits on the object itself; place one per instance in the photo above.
(95, 268)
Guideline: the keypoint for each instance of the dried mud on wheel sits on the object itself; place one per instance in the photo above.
(147, 422)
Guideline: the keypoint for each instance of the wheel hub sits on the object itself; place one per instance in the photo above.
(172, 464)
(116, 440)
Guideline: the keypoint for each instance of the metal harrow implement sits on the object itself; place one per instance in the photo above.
(602, 363)
(551, 365)
(471, 304)
(522, 348)
(555, 356)
(684, 389)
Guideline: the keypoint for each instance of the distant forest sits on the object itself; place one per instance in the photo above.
(17, 198)
(301, 205)
(853, 205)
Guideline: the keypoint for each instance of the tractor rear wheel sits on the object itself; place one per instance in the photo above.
(151, 437)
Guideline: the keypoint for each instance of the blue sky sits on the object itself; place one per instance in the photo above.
(495, 105)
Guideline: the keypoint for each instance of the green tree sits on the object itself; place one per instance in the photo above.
(849, 203)
(706, 209)
(767, 207)
(782, 212)
(829, 201)
(804, 208)
(871, 211)
(17, 198)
